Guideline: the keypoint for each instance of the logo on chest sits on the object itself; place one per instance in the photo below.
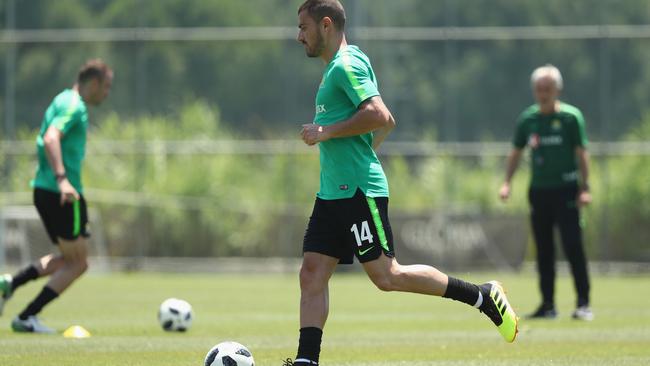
(556, 125)
(320, 108)
(535, 140)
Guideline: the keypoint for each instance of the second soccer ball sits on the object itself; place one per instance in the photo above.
(175, 315)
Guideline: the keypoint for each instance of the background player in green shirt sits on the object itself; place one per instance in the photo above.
(58, 193)
(555, 133)
(350, 215)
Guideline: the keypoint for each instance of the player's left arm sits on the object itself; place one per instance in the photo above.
(582, 157)
(372, 115)
(584, 196)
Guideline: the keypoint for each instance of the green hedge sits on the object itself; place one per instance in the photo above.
(254, 205)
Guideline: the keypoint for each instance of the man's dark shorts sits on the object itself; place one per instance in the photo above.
(345, 228)
(67, 221)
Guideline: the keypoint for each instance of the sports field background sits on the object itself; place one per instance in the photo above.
(365, 327)
(196, 154)
(196, 151)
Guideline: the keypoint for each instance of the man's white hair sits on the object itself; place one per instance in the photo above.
(545, 71)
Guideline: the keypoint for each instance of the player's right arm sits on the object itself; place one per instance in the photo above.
(52, 144)
(511, 167)
(60, 125)
(353, 77)
(519, 142)
(372, 115)
(380, 135)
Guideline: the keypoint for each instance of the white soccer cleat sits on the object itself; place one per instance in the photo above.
(30, 325)
(583, 313)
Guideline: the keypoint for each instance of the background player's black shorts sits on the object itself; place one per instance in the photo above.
(345, 228)
(68, 221)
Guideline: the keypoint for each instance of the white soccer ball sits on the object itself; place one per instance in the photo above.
(229, 354)
(175, 315)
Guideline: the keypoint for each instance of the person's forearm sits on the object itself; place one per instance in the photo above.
(54, 155)
(381, 134)
(583, 163)
(364, 121)
(513, 162)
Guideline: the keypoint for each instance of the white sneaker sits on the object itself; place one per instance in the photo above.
(5, 290)
(583, 313)
(30, 325)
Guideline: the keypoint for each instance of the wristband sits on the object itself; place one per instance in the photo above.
(60, 177)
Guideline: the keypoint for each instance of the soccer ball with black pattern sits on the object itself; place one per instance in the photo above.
(175, 315)
(229, 354)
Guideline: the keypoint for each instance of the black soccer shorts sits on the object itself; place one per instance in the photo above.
(345, 228)
(67, 221)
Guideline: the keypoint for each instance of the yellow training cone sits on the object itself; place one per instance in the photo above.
(76, 331)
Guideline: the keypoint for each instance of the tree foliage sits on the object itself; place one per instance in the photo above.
(256, 205)
(454, 90)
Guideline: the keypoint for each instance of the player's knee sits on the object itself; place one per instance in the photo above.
(385, 282)
(80, 265)
(309, 275)
(388, 279)
(83, 266)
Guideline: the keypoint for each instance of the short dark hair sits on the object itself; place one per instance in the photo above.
(93, 69)
(319, 9)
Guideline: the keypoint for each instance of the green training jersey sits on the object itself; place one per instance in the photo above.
(68, 114)
(552, 139)
(347, 163)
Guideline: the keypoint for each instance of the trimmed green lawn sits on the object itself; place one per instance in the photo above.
(366, 327)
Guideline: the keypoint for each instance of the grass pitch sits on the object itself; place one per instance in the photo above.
(365, 327)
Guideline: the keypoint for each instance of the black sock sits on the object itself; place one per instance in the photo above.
(309, 346)
(35, 307)
(24, 276)
(462, 291)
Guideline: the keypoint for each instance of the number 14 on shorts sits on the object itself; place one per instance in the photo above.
(364, 235)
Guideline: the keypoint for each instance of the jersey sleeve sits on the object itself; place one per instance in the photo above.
(69, 115)
(520, 139)
(580, 134)
(353, 77)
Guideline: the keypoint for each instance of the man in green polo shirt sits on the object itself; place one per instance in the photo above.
(555, 133)
(350, 215)
(58, 194)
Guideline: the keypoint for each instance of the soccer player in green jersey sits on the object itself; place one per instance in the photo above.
(350, 215)
(555, 133)
(58, 194)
